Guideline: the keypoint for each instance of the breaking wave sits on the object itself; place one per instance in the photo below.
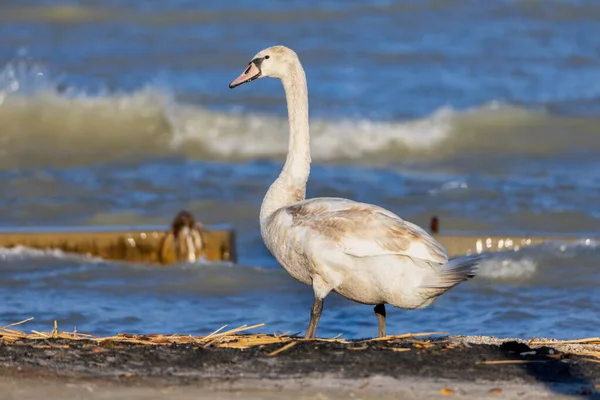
(46, 124)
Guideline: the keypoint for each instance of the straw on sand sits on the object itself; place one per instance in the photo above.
(233, 338)
(595, 340)
(239, 338)
(498, 362)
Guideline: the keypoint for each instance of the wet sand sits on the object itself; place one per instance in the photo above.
(406, 369)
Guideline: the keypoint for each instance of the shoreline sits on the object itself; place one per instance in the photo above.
(409, 367)
(324, 388)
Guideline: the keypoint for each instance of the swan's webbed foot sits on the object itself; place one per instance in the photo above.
(315, 314)
(380, 313)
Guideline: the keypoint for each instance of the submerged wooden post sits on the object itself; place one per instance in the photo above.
(186, 241)
(481, 243)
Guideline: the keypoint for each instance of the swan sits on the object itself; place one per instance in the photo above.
(361, 251)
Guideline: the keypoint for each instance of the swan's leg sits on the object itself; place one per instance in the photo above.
(321, 289)
(315, 314)
(380, 312)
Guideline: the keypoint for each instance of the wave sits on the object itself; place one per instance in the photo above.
(505, 269)
(44, 123)
(18, 253)
(572, 264)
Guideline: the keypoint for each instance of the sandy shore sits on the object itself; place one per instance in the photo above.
(457, 367)
(324, 388)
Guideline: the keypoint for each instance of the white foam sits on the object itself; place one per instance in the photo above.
(490, 128)
(507, 269)
(204, 262)
(449, 187)
(140, 115)
(23, 252)
(238, 135)
(36, 112)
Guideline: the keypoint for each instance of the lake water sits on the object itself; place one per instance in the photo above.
(483, 113)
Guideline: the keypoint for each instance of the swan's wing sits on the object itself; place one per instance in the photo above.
(359, 230)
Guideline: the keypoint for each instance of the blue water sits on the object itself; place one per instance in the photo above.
(483, 113)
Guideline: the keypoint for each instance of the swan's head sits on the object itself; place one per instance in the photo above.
(274, 62)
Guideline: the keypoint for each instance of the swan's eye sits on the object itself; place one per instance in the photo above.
(267, 57)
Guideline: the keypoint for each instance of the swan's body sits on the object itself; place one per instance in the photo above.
(361, 251)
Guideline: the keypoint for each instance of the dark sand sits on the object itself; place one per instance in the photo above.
(55, 368)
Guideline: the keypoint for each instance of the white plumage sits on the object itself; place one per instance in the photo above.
(361, 251)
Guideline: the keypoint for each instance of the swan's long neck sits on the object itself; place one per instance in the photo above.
(290, 186)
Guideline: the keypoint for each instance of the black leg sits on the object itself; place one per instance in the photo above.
(380, 312)
(315, 314)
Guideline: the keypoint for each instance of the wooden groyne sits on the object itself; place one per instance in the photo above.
(459, 244)
(184, 241)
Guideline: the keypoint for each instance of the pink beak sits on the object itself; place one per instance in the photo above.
(250, 74)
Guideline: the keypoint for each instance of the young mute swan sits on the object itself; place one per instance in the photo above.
(361, 251)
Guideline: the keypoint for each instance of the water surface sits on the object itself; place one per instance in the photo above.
(483, 113)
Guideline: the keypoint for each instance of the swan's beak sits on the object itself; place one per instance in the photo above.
(250, 74)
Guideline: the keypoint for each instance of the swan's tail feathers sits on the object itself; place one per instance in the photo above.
(454, 272)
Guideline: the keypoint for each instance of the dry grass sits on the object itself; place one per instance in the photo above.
(234, 338)
(239, 338)
(595, 340)
(221, 338)
(499, 362)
